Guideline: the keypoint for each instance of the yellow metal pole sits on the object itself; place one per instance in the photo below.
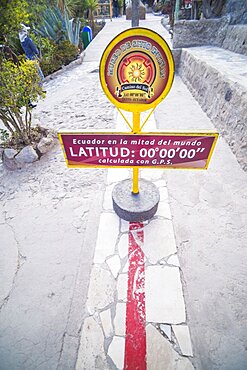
(135, 187)
(136, 130)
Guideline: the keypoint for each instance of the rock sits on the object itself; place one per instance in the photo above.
(27, 155)
(52, 134)
(45, 144)
(142, 11)
(14, 160)
(10, 153)
(9, 159)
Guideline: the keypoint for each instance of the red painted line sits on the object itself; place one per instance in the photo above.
(135, 339)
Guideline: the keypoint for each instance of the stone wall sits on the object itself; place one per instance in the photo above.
(216, 32)
(237, 9)
(198, 33)
(236, 39)
(224, 101)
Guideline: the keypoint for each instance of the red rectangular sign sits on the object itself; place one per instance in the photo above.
(156, 150)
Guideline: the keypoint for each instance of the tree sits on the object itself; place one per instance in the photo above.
(74, 8)
(19, 83)
(92, 6)
(13, 13)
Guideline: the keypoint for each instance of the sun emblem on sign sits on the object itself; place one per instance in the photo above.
(136, 72)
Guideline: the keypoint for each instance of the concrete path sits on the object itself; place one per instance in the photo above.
(64, 270)
(209, 212)
(48, 227)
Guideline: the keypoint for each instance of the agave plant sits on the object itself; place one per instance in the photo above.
(73, 29)
(58, 27)
(53, 26)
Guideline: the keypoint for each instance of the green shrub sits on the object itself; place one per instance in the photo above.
(19, 84)
(55, 56)
(66, 52)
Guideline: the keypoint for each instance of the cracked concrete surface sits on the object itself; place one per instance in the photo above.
(104, 330)
(106, 309)
(48, 226)
(49, 216)
(209, 210)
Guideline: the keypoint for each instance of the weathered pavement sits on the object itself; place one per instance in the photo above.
(49, 221)
(209, 212)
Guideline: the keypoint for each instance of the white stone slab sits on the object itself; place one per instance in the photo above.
(91, 351)
(123, 246)
(173, 260)
(160, 183)
(164, 295)
(101, 289)
(164, 210)
(166, 330)
(122, 286)
(163, 193)
(124, 226)
(126, 267)
(106, 241)
(120, 319)
(106, 321)
(161, 355)
(159, 240)
(183, 337)
(116, 352)
(107, 204)
(114, 265)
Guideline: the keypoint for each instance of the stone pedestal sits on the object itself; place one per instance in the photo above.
(135, 207)
(142, 11)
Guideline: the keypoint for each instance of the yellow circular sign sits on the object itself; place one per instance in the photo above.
(137, 70)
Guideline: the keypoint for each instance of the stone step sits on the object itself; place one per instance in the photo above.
(217, 78)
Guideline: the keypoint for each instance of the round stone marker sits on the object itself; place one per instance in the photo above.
(135, 207)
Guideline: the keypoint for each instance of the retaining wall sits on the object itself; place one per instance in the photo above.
(216, 32)
(223, 99)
